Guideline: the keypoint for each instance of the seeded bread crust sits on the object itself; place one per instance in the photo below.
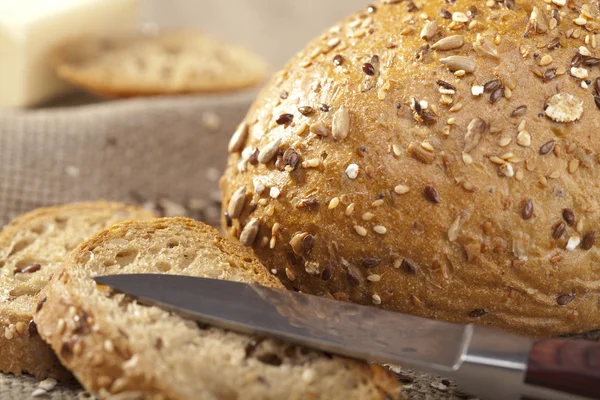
(434, 158)
(172, 62)
(116, 347)
(42, 237)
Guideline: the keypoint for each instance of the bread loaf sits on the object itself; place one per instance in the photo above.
(118, 348)
(433, 157)
(32, 249)
(172, 62)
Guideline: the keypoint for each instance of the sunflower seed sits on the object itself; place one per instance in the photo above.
(236, 204)
(538, 22)
(475, 131)
(249, 233)
(238, 140)
(340, 124)
(268, 152)
(429, 29)
(449, 43)
(459, 63)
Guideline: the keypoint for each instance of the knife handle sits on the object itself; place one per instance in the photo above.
(571, 366)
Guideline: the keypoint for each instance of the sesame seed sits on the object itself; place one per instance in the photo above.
(374, 278)
(497, 160)
(360, 230)
(401, 189)
(333, 203)
(580, 21)
(579, 226)
(349, 209)
(352, 171)
(377, 203)
(367, 216)
(382, 230)
(376, 299)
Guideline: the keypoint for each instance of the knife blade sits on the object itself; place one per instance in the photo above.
(483, 361)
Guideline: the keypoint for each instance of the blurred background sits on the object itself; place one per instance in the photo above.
(61, 141)
(276, 29)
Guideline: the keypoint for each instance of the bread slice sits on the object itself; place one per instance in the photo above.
(169, 63)
(32, 248)
(115, 346)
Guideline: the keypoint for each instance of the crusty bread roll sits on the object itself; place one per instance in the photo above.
(433, 157)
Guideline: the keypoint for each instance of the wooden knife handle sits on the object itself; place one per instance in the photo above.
(571, 366)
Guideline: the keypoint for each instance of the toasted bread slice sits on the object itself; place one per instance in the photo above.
(118, 347)
(170, 63)
(32, 248)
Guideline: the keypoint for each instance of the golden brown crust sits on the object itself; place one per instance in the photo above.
(174, 62)
(455, 183)
(21, 348)
(82, 347)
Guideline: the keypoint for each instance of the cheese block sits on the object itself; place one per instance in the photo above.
(29, 29)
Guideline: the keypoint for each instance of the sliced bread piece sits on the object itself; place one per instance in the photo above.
(32, 248)
(118, 347)
(169, 63)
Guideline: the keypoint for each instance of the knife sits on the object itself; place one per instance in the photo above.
(483, 361)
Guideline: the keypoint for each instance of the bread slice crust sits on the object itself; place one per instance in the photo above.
(32, 248)
(115, 346)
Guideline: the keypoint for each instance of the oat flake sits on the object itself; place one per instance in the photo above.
(564, 107)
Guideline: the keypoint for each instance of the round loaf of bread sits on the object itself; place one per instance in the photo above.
(436, 157)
